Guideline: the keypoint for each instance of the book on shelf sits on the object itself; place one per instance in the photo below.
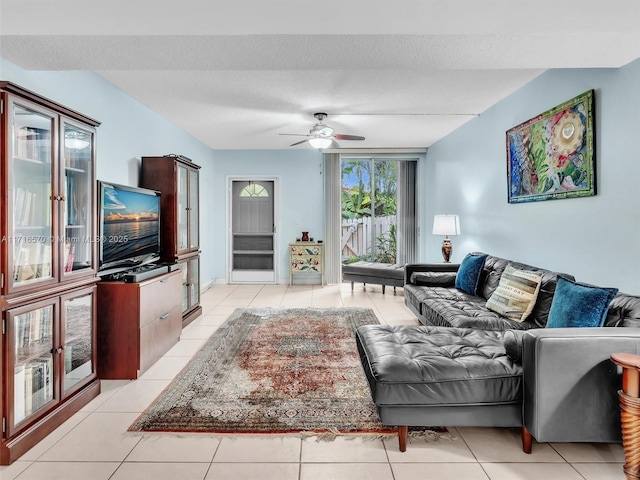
(32, 260)
(33, 144)
(70, 192)
(18, 205)
(28, 209)
(33, 327)
(25, 143)
(33, 387)
(69, 254)
(23, 204)
(44, 270)
(28, 390)
(22, 269)
(19, 406)
(29, 203)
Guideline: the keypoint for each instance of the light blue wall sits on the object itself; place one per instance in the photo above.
(129, 130)
(596, 238)
(301, 207)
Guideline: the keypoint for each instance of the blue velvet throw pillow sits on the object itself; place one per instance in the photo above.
(468, 276)
(579, 305)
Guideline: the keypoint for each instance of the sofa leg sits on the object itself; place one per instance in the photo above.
(394, 290)
(403, 430)
(527, 440)
(352, 286)
(383, 289)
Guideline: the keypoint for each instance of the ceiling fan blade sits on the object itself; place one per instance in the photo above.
(297, 143)
(295, 134)
(340, 136)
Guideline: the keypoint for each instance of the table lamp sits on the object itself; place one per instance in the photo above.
(446, 225)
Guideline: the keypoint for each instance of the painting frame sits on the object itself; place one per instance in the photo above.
(552, 155)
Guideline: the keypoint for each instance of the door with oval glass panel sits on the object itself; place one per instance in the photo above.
(252, 236)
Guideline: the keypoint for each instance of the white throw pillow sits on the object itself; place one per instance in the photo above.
(516, 294)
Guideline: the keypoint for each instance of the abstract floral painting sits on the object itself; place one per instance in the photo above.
(551, 156)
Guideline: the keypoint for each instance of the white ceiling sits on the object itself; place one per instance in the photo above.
(237, 73)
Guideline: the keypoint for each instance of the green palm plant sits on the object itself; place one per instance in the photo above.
(356, 203)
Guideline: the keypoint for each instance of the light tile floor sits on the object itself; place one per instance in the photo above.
(95, 445)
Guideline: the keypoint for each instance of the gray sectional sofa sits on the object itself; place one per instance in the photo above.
(469, 366)
(435, 301)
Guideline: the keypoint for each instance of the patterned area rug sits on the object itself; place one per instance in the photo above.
(273, 371)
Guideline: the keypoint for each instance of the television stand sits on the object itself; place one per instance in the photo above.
(138, 323)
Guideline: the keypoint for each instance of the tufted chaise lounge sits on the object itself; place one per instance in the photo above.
(441, 376)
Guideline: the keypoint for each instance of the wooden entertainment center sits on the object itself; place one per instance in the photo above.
(62, 328)
(139, 322)
(47, 266)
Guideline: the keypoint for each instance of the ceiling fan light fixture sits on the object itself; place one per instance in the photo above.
(322, 136)
(320, 142)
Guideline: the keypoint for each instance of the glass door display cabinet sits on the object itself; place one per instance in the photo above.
(50, 354)
(177, 179)
(49, 229)
(190, 284)
(188, 227)
(47, 262)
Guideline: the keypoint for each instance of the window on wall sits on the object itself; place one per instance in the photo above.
(254, 190)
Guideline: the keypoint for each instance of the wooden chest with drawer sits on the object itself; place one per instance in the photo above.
(137, 324)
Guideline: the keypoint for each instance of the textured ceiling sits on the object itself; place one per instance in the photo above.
(236, 74)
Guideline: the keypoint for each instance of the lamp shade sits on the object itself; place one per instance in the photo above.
(446, 225)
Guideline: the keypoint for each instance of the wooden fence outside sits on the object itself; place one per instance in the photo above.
(357, 234)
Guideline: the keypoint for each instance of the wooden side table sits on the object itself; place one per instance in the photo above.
(306, 258)
(630, 411)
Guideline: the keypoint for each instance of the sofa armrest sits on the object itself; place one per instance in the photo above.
(571, 385)
(411, 268)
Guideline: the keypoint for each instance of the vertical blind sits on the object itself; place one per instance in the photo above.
(333, 217)
(406, 215)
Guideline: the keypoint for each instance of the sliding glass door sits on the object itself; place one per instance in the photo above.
(369, 210)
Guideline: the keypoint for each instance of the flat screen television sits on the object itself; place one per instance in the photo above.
(129, 222)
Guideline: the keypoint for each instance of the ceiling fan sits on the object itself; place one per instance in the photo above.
(322, 136)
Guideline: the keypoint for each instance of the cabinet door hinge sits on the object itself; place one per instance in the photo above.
(4, 326)
(4, 424)
(1, 280)
(1, 106)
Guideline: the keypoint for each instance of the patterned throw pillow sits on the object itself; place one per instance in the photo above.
(468, 276)
(579, 305)
(516, 294)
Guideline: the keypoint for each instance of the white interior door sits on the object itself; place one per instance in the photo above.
(252, 240)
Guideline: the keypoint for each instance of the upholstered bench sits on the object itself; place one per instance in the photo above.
(373, 272)
(438, 376)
